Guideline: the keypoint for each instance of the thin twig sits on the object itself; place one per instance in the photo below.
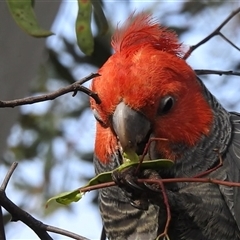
(3, 188)
(217, 72)
(8, 176)
(63, 232)
(146, 150)
(196, 180)
(212, 169)
(97, 186)
(211, 35)
(75, 87)
(165, 180)
(229, 41)
(165, 200)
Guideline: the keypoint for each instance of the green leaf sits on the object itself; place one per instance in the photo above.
(76, 195)
(24, 16)
(154, 164)
(66, 197)
(101, 19)
(100, 178)
(83, 27)
(107, 176)
(130, 156)
(157, 163)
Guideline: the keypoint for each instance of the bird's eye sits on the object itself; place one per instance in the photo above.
(165, 105)
(97, 116)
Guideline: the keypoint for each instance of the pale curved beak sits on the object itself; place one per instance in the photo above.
(130, 126)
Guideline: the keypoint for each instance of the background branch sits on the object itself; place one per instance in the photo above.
(17, 213)
(217, 72)
(229, 41)
(2, 230)
(211, 35)
(75, 87)
(64, 232)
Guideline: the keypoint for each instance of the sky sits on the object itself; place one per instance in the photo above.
(85, 219)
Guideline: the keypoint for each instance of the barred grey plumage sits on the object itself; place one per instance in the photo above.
(199, 211)
(147, 90)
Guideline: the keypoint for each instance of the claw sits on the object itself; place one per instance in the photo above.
(153, 187)
(127, 181)
(126, 178)
(138, 194)
(139, 204)
(133, 184)
(151, 174)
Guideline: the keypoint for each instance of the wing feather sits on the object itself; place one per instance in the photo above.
(233, 174)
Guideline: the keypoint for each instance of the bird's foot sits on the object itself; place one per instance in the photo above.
(139, 194)
(126, 179)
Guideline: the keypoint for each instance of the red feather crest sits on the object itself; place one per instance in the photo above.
(144, 30)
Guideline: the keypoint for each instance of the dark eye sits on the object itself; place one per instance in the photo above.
(97, 117)
(165, 105)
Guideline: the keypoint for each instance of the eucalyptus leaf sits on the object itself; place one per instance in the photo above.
(154, 164)
(66, 197)
(101, 19)
(76, 195)
(83, 27)
(130, 156)
(24, 16)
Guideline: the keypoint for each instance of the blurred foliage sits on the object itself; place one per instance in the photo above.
(23, 14)
(196, 7)
(42, 134)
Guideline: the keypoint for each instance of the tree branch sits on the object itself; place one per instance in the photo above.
(217, 72)
(75, 87)
(196, 180)
(8, 176)
(2, 230)
(64, 232)
(17, 213)
(165, 200)
(3, 187)
(211, 35)
(229, 41)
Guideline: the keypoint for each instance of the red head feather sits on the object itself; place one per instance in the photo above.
(142, 30)
(146, 67)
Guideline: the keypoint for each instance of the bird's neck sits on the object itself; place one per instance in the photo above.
(206, 153)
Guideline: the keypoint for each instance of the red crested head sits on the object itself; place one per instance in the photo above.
(143, 30)
(148, 75)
